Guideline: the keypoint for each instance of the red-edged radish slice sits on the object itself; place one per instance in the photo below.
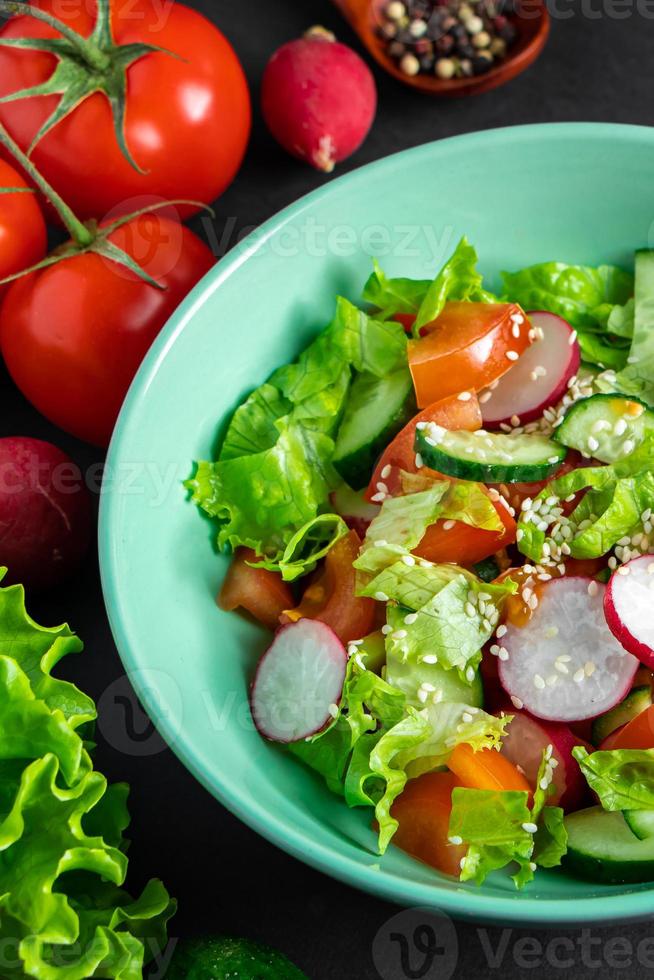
(526, 740)
(565, 664)
(538, 379)
(299, 681)
(629, 607)
(355, 510)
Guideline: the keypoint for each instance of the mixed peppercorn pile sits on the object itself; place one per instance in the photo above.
(451, 39)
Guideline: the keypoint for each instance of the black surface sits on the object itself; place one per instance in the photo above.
(596, 67)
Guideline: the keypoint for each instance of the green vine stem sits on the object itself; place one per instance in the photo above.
(90, 52)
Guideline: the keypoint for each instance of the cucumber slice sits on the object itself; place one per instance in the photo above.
(640, 822)
(603, 848)
(376, 410)
(489, 457)
(606, 427)
(636, 701)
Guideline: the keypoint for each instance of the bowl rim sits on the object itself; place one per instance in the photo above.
(614, 906)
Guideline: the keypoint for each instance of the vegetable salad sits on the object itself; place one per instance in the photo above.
(444, 511)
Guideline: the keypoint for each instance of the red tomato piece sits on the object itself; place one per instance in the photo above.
(23, 239)
(485, 769)
(262, 593)
(466, 348)
(463, 544)
(400, 454)
(330, 597)
(423, 812)
(636, 734)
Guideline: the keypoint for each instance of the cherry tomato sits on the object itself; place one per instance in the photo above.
(187, 117)
(331, 599)
(73, 334)
(23, 239)
(464, 544)
(466, 348)
(262, 593)
(485, 769)
(400, 455)
(423, 812)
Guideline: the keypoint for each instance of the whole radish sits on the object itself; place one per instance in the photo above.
(318, 99)
(45, 513)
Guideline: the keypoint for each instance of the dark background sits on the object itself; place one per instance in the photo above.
(597, 66)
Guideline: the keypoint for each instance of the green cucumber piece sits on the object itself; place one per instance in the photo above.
(603, 848)
(640, 822)
(606, 427)
(223, 958)
(636, 701)
(489, 457)
(376, 410)
(487, 569)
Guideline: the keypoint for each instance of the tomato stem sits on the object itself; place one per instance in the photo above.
(77, 229)
(87, 51)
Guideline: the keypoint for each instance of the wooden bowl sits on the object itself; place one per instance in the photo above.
(531, 20)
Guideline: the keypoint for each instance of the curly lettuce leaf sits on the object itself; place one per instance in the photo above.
(253, 427)
(582, 295)
(463, 501)
(307, 546)
(265, 498)
(501, 830)
(622, 778)
(637, 378)
(452, 723)
(459, 279)
(396, 295)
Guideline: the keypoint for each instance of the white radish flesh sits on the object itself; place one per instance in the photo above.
(539, 378)
(564, 664)
(299, 681)
(629, 607)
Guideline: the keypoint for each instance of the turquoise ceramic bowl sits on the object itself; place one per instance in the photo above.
(581, 193)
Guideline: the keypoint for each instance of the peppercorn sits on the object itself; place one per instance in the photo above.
(427, 63)
(481, 62)
(423, 46)
(417, 28)
(498, 47)
(395, 10)
(445, 68)
(481, 40)
(465, 67)
(445, 44)
(410, 64)
(474, 25)
(396, 49)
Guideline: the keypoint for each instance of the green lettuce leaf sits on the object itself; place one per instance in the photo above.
(457, 280)
(637, 378)
(500, 829)
(392, 296)
(253, 427)
(450, 724)
(307, 546)
(622, 778)
(64, 913)
(582, 295)
(265, 498)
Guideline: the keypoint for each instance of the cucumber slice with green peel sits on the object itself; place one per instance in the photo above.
(606, 427)
(489, 457)
(376, 410)
(640, 822)
(636, 701)
(602, 847)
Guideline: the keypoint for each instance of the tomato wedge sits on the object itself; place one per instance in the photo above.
(449, 412)
(636, 734)
(330, 597)
(466, 348)
(423, 812)
(263, 594)
(461, 543)
(486, 769)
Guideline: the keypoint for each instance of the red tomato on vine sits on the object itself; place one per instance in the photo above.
(121, 117)
(22, 228)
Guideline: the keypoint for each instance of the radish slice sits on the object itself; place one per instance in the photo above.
(299, 681)
(565, 664)
(629, 607)
(526, 740)
(539, 378)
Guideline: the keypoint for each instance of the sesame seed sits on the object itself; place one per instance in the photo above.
(333, 710)
(503, 653)
(519, 535)
(629, 446)
(529, 828)
(377, 498)
(485, 397)
(467, 717)
(593, 444)
(386, 472)
(589, 668)
(539, 682)
(455, 839)
(620, 427)
(421, 425)
(516, 702)
(623, 570)
(572, 337)
(512, 355)
(429, 658)
(517, 318)
(470, 674)
(553, 459)
(645, 516)
(562, 669)
(408, 559)
(464, 396)
(462, 862)
(419, 462)
(470, 609)
(515, 421)
(426, 686)
(515, 330)
(425, 564)
(551, 680)
(533, 602)
(422, 695)
(400, 634)
(410, 618)
(387, 629)
(448, 525)
(578, 675)
(501, 630)
(495, 649)
(381, 597)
